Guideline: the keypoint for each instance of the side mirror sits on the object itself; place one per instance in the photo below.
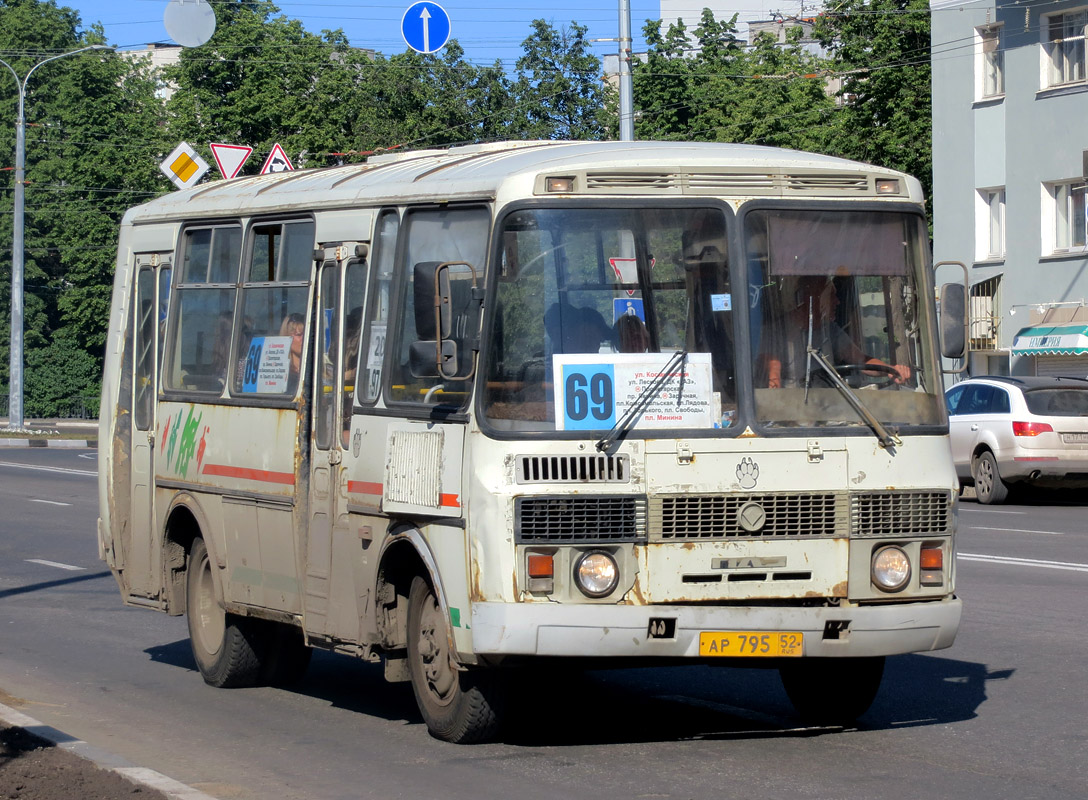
(432, 310)
(427, 360)
(953, 320)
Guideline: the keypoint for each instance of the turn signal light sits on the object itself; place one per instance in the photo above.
(540, 566)
(1030, 428)
(931, 560)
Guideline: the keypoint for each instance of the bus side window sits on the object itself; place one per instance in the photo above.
(196, 352)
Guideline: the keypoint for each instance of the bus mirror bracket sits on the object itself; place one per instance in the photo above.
(954, 319)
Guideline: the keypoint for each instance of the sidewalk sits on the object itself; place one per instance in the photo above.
(50, 433)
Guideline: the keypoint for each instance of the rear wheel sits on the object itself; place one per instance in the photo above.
(832, 691)
(458, 706)
(228, 649)
(989, 488)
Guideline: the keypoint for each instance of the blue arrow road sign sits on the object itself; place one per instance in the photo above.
(425, 27)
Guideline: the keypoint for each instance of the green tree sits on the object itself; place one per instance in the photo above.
(881, 50)
(558, 87)
(92, 149)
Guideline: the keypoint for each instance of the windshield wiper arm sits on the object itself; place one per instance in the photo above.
(883, 436)
(634, 411)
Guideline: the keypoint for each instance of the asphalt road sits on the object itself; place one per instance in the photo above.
(1002, 714)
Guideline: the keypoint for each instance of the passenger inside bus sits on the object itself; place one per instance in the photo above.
(630, 334)
(294, 325)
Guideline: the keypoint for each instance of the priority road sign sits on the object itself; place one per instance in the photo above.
(184, 166)
(425, 27)
(277, 161)
(230, 158)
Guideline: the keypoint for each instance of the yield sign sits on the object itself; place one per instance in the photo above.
(277, 161)
(230, 158)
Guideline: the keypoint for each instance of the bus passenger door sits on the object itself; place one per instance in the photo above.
(143, 543)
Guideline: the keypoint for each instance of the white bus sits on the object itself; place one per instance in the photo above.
(463, 410)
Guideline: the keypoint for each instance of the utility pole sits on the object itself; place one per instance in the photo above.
(15, 376)
(627, 119)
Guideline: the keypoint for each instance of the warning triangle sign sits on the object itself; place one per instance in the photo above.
(230, 158)
(277, 161)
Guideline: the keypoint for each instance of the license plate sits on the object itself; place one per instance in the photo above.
(1075, 438)
(749, 643)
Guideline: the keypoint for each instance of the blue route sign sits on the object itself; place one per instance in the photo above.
(425, 27)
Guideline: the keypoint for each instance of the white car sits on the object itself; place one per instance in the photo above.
(1009, 431)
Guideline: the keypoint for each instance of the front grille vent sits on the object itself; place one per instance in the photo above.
(901, 513)
(636, 181)
(574, 469)
(584, 520)
(688, 517)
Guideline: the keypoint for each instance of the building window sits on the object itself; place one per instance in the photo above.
(1063, 47)
(991, 63)
(984, 318)
(1068, 207)
(990, 237)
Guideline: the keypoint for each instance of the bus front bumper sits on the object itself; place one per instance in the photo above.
(599, 630)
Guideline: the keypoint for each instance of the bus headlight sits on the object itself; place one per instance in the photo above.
(596, 573)
(891, 568)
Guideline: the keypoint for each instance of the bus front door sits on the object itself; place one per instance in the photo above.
(140, 543)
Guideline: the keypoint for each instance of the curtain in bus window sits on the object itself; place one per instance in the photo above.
(805, 243)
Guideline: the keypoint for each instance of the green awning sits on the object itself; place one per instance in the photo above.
(1051, 340)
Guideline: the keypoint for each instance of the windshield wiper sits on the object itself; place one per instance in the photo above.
(883, 436)
(635, 410)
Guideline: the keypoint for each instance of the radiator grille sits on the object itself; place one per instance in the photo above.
(689, 517)
(558, 520)
(901, 513)
(573, 469)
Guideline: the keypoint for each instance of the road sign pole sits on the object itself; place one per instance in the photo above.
(627, 119)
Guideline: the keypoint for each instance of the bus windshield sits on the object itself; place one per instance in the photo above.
(605, 296)
(591, 304)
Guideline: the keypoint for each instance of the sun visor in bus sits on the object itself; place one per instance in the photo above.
(423, 288)
(864, 243)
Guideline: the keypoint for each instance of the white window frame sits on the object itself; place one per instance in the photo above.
(990, 224)
(989, 63)
(1063, 57)
(1065, 217)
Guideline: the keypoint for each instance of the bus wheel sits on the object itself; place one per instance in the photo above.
(458, 706)
(227, 648)
(832, 691)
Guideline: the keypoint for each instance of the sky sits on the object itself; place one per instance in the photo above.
(486, 29)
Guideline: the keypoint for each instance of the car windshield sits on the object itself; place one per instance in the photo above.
(590, 306)
(845, 285)
(1063, 402)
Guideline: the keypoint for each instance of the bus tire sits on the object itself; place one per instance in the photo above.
(458, 706)
(227, 648)
(832, 691)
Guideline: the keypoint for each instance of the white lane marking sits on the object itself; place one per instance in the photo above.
(1016, 530)
(1025, 562)
(94, 457)
(50, 502)
(49, 469)
(56, 564)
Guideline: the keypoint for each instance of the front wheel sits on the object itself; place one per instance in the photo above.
(458, 706)
(228, 649)
(832, 691)
(989, 488)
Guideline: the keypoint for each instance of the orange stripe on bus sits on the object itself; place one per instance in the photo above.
(364, 487)
(451, 500)
(248, 474)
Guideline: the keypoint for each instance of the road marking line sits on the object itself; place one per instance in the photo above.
(50, 502)
(1016, 530)
(1025, 562)
(56, 564)
(990, 511)
(48, 469)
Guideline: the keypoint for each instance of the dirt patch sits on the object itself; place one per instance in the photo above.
(32, 768)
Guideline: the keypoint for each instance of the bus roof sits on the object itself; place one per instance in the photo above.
(482, 170)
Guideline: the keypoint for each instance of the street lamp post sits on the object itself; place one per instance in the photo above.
(15, 377)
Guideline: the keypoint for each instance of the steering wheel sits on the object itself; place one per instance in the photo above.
(888, 376)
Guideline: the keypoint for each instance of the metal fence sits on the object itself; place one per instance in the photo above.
(71, 408)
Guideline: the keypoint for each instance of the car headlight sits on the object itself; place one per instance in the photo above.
(891, 568)
(596, 573)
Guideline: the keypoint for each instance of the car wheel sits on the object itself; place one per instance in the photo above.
(989, 487)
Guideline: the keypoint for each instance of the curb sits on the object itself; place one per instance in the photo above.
(102, 759)
(71, 443)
